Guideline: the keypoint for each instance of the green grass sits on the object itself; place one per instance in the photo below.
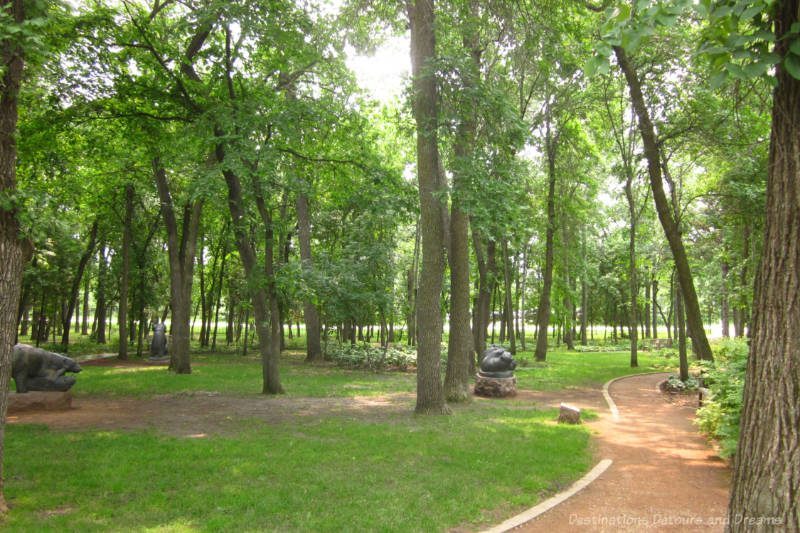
(234, 374)
(409, 473)
(564, 369)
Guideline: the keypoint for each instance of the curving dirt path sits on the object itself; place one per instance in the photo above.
(665, 476)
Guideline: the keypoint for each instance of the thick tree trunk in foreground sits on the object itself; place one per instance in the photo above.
(766, 472)
(430, 393)
(182, 249)
(13, 251)
(651, 150)
(543, 313)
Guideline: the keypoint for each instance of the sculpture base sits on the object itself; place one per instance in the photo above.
(492, 387)
(159, 359)
(39, 401)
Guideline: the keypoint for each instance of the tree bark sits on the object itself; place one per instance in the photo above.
(724, 308)
(182, 250)
(509, 312)
(14, 252)
(101, 309)
(766, 472)
(652, 153)
(430, 393)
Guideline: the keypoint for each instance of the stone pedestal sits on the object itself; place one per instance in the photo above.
(491, 387)
(39, 401)
(159, 359)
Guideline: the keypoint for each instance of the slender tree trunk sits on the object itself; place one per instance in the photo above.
(310, 314)
(85, 318)
(584, 312)
(13, 251)
(508, 306)
(740, 317)
(766, 472)
(126, 273)
(634, 285)
(101, 310)
(219, 295)
(265, 305)
(683, 356)
(652, 153)
(724, 310)
(654, 293)
(66, 319)
(543, 315)
(182, 250)
(647, 333)
(522, 297)
(430, 393)
(486, 264)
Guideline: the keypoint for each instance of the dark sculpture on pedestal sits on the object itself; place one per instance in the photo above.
(35, 369)
(497, 363)
(496, 377)
(158, 344)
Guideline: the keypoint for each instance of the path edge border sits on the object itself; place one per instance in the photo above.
(533, 512)
(610, 402)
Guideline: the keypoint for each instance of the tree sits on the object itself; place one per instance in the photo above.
(430, 394)
(14, 250)
(766, 471)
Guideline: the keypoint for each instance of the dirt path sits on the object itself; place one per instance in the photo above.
(665, 477)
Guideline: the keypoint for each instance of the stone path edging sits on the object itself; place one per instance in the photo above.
(533, 512)
(613, 406)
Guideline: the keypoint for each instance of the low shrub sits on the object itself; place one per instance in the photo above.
(367, 356)
(675, 384)
(722, 409)
(603, 348)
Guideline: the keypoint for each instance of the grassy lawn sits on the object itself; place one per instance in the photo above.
(564, 369)
(333, 472)
(409, 473)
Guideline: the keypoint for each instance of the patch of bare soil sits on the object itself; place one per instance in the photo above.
(198, 414)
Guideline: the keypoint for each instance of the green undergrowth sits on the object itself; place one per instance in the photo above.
(404, 473)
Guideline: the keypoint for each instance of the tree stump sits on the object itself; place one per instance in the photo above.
(491, 387)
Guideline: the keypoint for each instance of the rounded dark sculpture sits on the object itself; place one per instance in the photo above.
(496, 362)
(158, 344)
(35, 369)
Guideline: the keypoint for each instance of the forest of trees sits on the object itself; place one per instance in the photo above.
(555, 166)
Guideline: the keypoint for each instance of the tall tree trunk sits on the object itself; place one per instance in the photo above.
(766, 472)
(460, 347)
(13, 251)
(740, 317)
(724, 309)
(66, 319)
(310, 314)
(569, 338)
(683, 356)
(101, 309)
(671, 230)
(126, 272)
(647, 333)
(486, 264)
(584, 311)
(523, 284)
(182, 250)
(634, 285)
(654, 294)
(264, 300)
(509, 310)
(430, 393)
(543, 314)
